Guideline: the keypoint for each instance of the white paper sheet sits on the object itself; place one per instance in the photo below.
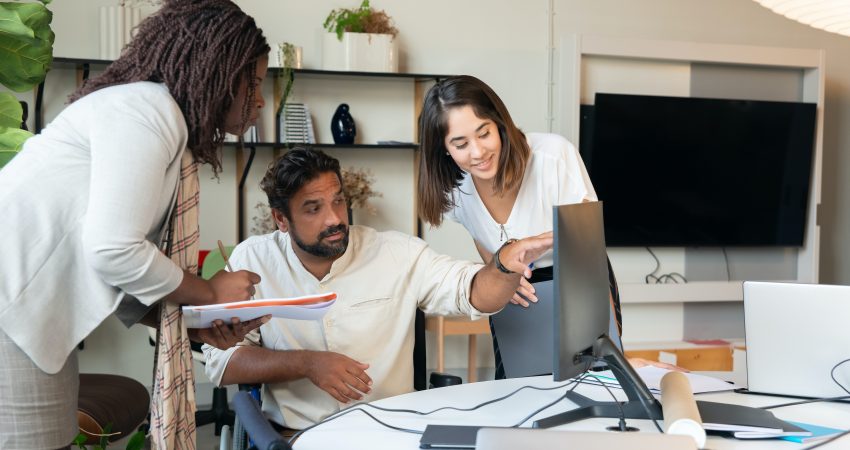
(651, 375)
(203, 316)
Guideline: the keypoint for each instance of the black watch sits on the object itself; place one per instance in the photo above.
(499, 265)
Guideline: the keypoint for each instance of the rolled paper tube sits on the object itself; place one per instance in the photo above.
(681, 415)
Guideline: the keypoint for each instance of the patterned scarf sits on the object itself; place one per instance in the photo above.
(173, 399)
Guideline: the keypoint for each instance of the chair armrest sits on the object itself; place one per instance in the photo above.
(256, 425)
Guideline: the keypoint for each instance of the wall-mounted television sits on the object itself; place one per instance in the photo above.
(684, 171)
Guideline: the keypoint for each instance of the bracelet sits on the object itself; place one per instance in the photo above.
(499, 265)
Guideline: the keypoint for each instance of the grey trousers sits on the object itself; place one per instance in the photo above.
(39, 410)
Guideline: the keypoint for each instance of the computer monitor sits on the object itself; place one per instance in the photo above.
(581, 314)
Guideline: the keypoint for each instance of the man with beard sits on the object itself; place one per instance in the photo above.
(361, 350)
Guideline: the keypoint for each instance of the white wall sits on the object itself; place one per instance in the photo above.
(505, 43)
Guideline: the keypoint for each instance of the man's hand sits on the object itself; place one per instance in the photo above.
(516, 257)
(223, 336)
(342, 377)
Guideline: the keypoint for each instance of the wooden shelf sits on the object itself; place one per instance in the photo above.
(697, 291)
(71, 63)
(321, 146)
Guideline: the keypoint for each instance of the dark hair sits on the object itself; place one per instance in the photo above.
(292, 171)
(438, 173)
(201, 50)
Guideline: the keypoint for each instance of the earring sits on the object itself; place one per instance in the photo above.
(447, 153)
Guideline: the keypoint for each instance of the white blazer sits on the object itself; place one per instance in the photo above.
(83, 208)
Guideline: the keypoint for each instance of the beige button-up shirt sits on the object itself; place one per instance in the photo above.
(380, 280)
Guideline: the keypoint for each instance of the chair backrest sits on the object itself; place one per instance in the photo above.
(214, 262)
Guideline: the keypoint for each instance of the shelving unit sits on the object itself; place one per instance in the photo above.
(304, 77)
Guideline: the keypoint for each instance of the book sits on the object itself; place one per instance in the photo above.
(745, 422)
(817, 432)
(310, 307)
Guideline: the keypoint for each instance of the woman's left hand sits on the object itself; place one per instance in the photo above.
(223, 336)
(524, 293)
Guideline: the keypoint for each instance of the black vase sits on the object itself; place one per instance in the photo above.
(342, 126)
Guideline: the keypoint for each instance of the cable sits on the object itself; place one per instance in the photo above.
(825, 399)
(359, 407)
(657, 266)
(726, 257)
(620, 406)
(663, 278)
(575, 382)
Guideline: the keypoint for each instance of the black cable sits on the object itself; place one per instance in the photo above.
(663, 278)
(623, 414)
(726, 257)
(657, 266)
(575, 382)
(825, 399)
(359, 407)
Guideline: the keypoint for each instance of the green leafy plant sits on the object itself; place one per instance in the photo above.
(26, 52)
(136, 442)
(361, 20)
(286, 76)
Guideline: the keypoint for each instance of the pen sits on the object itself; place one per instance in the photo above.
(224, 256)
(226, 260)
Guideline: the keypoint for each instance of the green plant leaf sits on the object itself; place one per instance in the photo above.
(12, 139)
(137, 441)
(80, 440)
(11, 112)
(25, 57)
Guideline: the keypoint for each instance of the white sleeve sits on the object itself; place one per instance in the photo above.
(129, 157)
(444, 284)
(574, 184)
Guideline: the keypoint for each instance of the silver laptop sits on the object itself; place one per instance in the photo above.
(536, 439)
(795, 335)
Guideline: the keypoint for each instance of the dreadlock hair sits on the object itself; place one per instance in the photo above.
(201, 50)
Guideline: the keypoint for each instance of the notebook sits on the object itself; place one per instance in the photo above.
(795, 334)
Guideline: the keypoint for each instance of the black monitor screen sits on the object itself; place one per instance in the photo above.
(676, 171)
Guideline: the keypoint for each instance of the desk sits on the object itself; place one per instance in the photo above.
(357, 431)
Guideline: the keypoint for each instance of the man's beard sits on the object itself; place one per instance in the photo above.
(324, 250)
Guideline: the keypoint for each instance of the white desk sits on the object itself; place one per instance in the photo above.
(357, 431)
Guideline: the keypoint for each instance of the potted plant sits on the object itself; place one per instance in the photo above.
(26, 53)
(361, 39)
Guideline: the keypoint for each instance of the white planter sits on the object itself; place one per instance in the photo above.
(360, 52)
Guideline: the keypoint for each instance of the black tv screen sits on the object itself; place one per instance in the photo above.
(678, 171)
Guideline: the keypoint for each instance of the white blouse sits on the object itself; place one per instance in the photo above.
(555, 175)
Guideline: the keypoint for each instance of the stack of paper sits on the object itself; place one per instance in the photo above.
(651, 375)
(311, 307)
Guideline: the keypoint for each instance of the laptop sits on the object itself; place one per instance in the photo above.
(536, 439)
(795, 335)
(521, 329)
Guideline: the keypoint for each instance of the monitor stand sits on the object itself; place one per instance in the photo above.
(641, 403)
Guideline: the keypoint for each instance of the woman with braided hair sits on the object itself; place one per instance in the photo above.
(100, 217)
